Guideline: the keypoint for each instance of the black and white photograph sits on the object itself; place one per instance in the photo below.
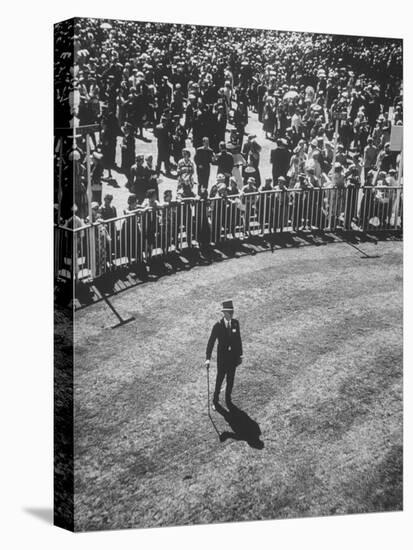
(228, 267)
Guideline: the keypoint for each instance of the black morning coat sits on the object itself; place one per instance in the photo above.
(229, 343)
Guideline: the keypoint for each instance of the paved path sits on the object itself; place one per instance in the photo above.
(120, 194)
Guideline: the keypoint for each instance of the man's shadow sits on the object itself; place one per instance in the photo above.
(244, 428)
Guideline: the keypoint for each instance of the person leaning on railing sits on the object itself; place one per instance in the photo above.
(184, 196)
(383, 200)
(281, 205)
(219, 207)
(130, 233)
(249, 198)
(201, 225)
(300, 220)
(107, 210)
(168, 221)
(101, 241)
(265, 205)
(150, 222)
(336, 194)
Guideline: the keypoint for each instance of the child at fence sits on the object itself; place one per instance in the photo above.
(168, 222)
(367, 201)
(151, 176)
(222, 218)
(351, 201)
(185, 215)
(265, 206)
(130, 234)
(336, 195)
(185, 168)
(102, 241)
(249, 198)
(315, 197)
(280, 219)
(202, 228)
(150, 223)
(383, 201)
(106, 210)
(300, 214)
(233, 192)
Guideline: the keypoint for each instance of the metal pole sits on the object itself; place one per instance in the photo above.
(89, 198)
(59, 189)
(399, 176)
(335, 142)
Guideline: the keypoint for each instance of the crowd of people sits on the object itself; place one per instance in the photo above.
(183, 84)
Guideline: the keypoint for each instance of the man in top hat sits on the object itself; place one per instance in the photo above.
(229, 353)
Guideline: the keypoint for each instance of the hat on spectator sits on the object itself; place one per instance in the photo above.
(249, 170)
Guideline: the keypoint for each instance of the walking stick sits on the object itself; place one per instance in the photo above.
(209, 408)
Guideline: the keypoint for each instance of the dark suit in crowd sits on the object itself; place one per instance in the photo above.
(280, 160)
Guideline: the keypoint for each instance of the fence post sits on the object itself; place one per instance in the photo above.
(92, 243)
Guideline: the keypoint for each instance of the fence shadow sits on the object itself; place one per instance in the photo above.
(115, 282)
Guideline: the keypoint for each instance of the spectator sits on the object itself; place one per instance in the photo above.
(225, 162)
(204, 156)
(107, 210)
(280, 160)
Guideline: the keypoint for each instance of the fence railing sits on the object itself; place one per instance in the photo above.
(90, 251)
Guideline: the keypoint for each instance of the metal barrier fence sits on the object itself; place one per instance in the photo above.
(90, 251)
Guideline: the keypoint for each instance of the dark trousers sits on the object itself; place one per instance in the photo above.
(223, 371)
(163, 157)
(203, 176)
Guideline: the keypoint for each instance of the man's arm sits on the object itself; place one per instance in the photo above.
(210, 345)
(272, 156)
(196, 157)
(239, 343)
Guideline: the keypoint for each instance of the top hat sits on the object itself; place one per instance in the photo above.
(227, 306)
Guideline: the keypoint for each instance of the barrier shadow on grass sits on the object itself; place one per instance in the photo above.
(244, 428)
(117, 281)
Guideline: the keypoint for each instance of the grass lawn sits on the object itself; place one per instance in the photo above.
(318, 429)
